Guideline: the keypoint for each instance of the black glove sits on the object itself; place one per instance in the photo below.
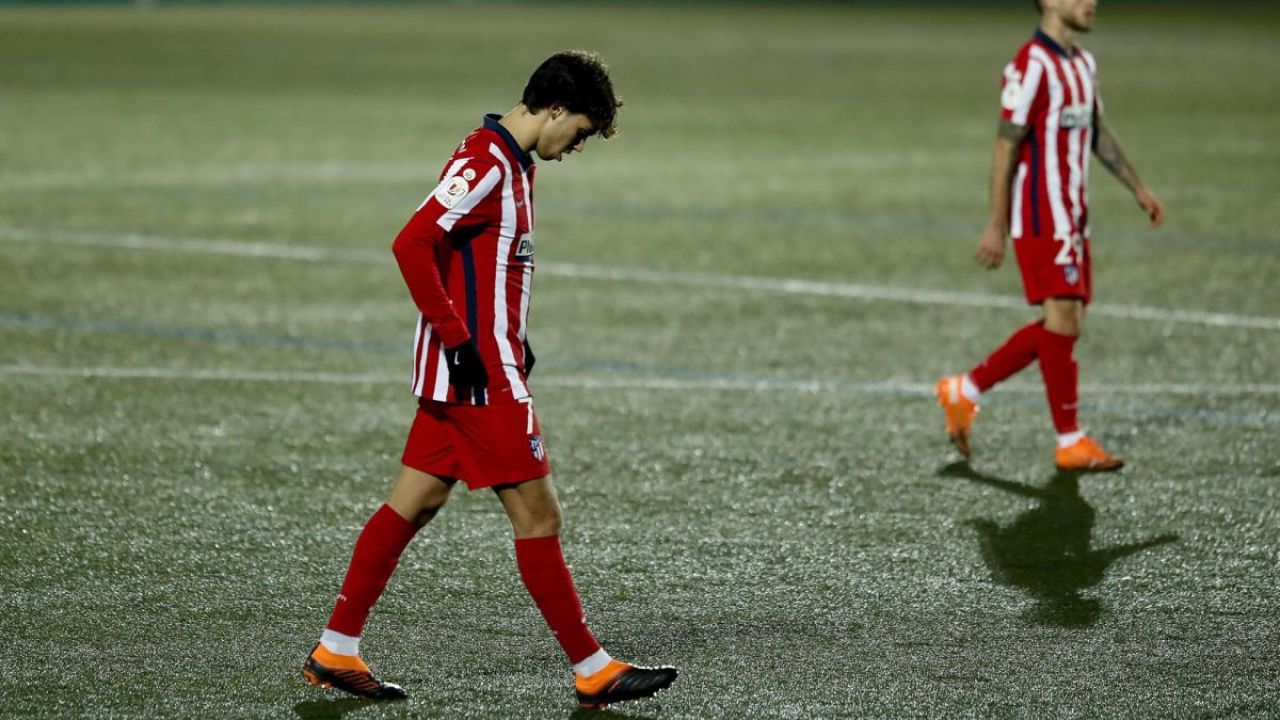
(466, 370)
(529, 359)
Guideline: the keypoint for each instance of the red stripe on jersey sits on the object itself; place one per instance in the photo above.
(1054, 95)
(483, 203)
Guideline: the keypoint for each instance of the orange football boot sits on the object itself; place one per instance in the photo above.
(348, 673)
(1086, 455)
(620, 681)
(960, 411)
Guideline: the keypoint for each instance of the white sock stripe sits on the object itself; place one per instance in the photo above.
(592, 665)
(1069, 439)
(336, 642)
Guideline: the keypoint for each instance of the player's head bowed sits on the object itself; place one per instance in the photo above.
(578, 81)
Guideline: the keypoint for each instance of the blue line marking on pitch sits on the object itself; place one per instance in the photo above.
(113, 327)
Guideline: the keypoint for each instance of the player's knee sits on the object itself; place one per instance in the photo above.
(1065, 326)
(542, 523)
(1064, 318)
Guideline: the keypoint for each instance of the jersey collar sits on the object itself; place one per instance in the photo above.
(1051, 43)
(491, 123)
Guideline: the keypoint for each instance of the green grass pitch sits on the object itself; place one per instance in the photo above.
(741, 303)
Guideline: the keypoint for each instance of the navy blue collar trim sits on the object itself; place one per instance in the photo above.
(1053, 44)
(491, 123)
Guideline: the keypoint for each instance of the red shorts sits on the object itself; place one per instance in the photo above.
(483, 446)
(1054, 267)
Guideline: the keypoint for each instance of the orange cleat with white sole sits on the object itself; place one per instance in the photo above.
(960, 411)
(620, 681)
(1086, 455)
(347, 673)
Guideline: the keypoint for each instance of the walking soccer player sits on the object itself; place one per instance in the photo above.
(467, 257)
(1051, 117)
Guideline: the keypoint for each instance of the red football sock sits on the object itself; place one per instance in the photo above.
(376, 554)
(1058, 366)
(1016, 353)
(542, 568)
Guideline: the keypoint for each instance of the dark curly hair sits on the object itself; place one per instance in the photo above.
(578, 80)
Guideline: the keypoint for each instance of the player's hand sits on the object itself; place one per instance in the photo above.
(990, 252)
(466, 370)
(1150, 205)
(529, 359)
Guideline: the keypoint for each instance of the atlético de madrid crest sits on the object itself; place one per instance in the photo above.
(1071, 274)
(537, 447)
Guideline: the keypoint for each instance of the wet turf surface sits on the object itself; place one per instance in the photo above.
(203, 345)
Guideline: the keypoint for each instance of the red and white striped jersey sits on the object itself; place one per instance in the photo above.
(467, 257)
(1055, 93)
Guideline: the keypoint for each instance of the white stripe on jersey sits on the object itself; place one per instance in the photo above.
(1088, 59)
(1052, 173)
(1083, 64)
(448, 175)
(468, 203)
(420, 354)
(1074, 176)
(526, 284)
(1015, 213)
(1030, 83)
(524, 303)
(441, 390)
(506, 238)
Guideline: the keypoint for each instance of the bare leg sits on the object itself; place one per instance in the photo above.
(418, 496)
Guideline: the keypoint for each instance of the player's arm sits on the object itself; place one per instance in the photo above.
(415, 251)
(1107, 148)
(456, 203)
(1004, 159)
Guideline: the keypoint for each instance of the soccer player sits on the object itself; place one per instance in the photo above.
(1051, 117)
(467, 257)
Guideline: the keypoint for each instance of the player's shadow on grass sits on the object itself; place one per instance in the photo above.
(606, 714)
(1046, 550)
(339, 708)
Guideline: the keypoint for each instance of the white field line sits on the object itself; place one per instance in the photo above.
(852, 291)
(318, 172)
(615, 383)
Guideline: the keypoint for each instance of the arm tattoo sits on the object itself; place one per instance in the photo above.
(1009, 131)
(1107, 148)
(1013, 135)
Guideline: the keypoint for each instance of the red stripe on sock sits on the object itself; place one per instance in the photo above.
(547, 578)
(1061, 375)
(1016, 353)
(376, 554)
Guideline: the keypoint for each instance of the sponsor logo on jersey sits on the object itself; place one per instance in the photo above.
(537, 447)
(524, 250)
(453, 191)
(1076, 116)
(1071, 274)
